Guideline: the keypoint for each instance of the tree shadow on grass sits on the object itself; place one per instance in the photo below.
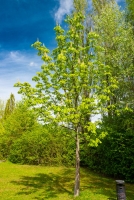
(46, 185)
(52, 185)
(100, 184)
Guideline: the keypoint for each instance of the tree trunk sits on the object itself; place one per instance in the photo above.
(77, 174)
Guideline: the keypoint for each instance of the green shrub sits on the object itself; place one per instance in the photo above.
(5, 142)
(115, 155)
(43, 147)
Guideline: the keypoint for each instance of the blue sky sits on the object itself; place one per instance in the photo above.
(21, 23)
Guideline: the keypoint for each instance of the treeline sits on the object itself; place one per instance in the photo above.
(24, 140)
(90, 72)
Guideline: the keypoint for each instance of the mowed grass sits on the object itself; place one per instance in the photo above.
(23, 182)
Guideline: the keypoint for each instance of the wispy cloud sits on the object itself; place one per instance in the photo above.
(66, 6)
(16, 66)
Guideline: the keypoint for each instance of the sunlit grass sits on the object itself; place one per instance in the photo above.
(23, 182)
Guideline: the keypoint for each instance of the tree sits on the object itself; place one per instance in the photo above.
(2, 107)
(10, 105)
(130, 11)
(130, 18)
(21, 120)
(67, 90)
(98, 5)
(116, 37)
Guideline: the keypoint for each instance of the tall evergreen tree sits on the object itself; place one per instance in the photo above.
(10, 105)
(1, 109)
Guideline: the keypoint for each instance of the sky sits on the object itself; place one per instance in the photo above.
(22, 22)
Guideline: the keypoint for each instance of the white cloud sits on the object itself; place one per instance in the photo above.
(66, 6)
(16, 66)
(33, 64)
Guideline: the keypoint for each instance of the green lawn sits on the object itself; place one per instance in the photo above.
(23, 182)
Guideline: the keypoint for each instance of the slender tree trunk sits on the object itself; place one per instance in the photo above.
(77, 174)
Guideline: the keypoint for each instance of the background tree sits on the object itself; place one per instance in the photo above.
(130, 11)
(98, 5)
(116, 37)
(10, 105)
(22, 119)
(115, 153)
(2, 107)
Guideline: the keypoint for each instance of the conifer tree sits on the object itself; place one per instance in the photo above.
(10, 105)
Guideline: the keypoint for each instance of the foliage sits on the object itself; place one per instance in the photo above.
(114, 156)
(130, 11)
(24, 140)
(21, 119)
(98, 5)
(2, 107)
(10, 105)
(67, 85)
(5, 112)
(116, 37)
(2, 130)
(45, 145)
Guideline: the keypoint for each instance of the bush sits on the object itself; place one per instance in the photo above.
(4, 147)
(14, 125)
(43, 147)
(114, 156)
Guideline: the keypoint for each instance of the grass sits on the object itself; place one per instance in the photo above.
(23, 182)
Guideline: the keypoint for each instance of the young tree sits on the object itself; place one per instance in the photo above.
(67, 90)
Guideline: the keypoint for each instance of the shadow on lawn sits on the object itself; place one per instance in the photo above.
(46, 185)
(52, 185)
(100, 184)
